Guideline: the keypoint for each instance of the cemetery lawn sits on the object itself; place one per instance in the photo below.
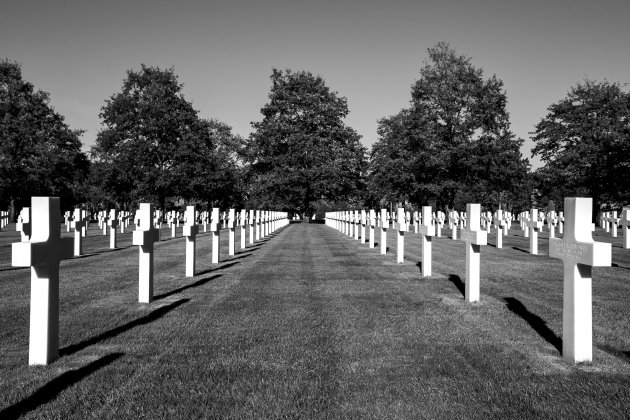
(311, 323)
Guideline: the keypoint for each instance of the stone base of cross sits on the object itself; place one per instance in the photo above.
(579, 253)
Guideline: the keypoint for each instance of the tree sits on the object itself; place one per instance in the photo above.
(302, 152)
(39, 153)
(154, 146)
(455, 138)
(584, 142)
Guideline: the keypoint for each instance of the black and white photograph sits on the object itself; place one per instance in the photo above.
(299, 209)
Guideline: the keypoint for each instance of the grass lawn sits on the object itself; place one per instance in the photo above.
(311, 323)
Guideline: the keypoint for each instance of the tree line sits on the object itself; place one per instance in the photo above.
(451, 145)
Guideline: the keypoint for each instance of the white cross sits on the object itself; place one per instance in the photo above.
(579, 253)
(216, 232)
(611, 223)
(78, 224)
(534, 226)
(23, 224)
(363, 225)
(112, 222)
(498, 224)
(190, 231)
(552, 220)
(231, 224)
(243, 223)
(400, 244)
(384, 227)
(427, 230)
(625, 223)
(43, 254)
(474, 237)
(372, 225)
(145, 236)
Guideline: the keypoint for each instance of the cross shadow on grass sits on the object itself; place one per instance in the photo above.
(520, 249)
(457, 281)
(239, 256)
(210, 270)
(14, 268)
(188, 286)
(537, 323)
(156, 314)
(53, 388)
(623, 355)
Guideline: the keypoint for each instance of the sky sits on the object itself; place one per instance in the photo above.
(370, 52)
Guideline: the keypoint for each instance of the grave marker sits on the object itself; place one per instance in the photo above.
(372, 225)
(384, 226)
(251, 226)
(402, 227)
(474, 237)
(534, 225)
(579, 254)
(23, 224)
(113, 223)
(145, 236)
(498, 224)
(363, 223)
(427, 230)
(77, 224)
(215, 228)
(625, 223)
(43, 254)
(190, 232)
(243, 221)
(231, 232)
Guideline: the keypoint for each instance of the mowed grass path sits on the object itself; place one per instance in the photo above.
(311, 323)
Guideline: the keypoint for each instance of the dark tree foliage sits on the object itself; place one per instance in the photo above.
(453, 143)
(155, 147)
(39, 153)
(302, 152)
(584, 142)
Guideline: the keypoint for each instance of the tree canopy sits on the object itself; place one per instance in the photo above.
(453, 144)
(302, 152)
(39, 153)
(584, 141)
(155, 147)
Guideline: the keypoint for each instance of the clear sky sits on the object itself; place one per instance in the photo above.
(368, 51)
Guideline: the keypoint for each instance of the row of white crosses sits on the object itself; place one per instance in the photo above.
(4, 219)
(576, 249)
(44, 249)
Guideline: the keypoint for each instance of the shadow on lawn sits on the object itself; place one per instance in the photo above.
(239, 256)
(520, 249)
(620, 266)
(537, 323)
(457, 281)
(188, 286)
(53, 388)
(158, 313)
(623, 355)
(210, 270)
